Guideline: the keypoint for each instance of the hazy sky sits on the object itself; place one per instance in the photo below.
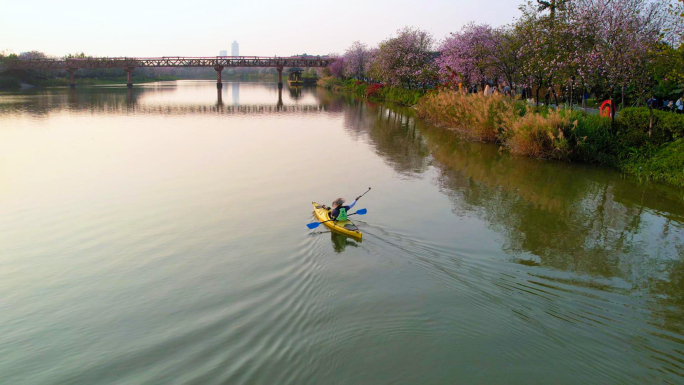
(202, 28)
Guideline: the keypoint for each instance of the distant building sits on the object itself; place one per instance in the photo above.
(235, 49)
(223, 52)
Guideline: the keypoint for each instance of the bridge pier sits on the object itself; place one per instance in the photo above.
(280, 78)
(279, 106)
(218, 70)
(72, 77)
(129, 76)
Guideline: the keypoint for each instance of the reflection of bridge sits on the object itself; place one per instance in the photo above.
(129, 64)
(258, 109)
(125, 102)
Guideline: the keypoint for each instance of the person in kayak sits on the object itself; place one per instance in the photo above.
(339, 212)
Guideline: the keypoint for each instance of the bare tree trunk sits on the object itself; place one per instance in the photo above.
(612, 111)
(623, 97)
(555, 97)
(571, 101)
(547, 97)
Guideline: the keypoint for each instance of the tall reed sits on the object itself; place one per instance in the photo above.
(540, 136)
(497, 118)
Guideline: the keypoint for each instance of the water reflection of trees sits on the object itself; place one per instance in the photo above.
(576, 219)
(573, 218)
(588, 220)
(393, 135)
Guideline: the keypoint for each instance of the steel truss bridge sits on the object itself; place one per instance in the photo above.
(129, 64)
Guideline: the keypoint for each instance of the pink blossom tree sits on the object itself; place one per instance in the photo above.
(506, 60)
(337, 66)
(627, 34)
(469, 54)
(405, 59)
(356, 60)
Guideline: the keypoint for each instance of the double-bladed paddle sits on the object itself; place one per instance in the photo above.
(316, 224)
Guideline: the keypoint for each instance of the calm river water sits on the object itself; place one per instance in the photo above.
(157, 236)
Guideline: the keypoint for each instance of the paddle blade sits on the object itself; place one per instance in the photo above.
(361, 212)
(313, 225)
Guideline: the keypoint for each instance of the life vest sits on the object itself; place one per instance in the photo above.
(342, 216)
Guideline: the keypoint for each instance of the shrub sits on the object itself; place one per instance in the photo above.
(355, 87)
(594, 141)
(9, 82)
(665, 164)
(329, 82)
(401, 95)
(633, 128)
(671, 123)
(634, 124)
(373, 90)
(540, 136)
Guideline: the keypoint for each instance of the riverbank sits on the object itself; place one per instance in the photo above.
(375, 92)
(629, 143)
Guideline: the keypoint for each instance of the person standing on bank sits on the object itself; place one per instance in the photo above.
(339, 212)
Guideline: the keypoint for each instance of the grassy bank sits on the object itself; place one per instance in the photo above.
(377, 92)
(651, 153)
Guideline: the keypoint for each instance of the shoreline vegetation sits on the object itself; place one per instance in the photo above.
(628, 143)
(378, 92)
(516, 85)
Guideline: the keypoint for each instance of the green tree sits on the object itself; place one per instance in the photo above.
(551, 5)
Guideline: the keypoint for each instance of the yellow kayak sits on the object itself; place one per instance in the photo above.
(347, 227)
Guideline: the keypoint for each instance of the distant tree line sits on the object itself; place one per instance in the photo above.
(37, 76)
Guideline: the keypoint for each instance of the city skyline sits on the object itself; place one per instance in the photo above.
(235, 48)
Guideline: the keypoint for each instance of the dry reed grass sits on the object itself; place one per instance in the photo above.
(474, 116)
(497, 118)
(540, 136)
